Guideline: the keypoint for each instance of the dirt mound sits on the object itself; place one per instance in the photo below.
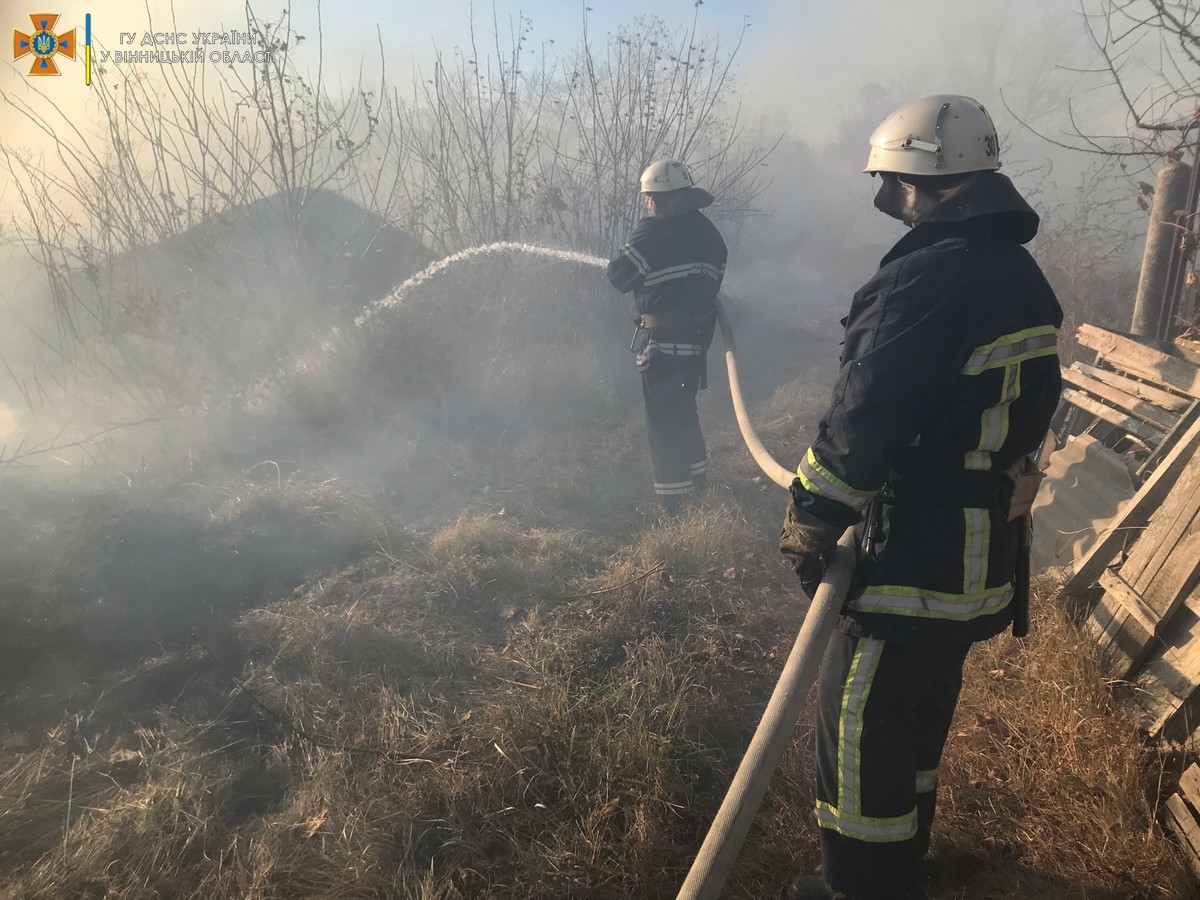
(202, 315)
(494, 344)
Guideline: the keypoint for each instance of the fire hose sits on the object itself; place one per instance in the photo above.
(729, 828)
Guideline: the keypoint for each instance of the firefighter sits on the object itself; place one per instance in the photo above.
(949, 375)
(673, 262)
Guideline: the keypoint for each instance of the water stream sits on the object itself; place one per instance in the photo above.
(770, 467)
(483, 250)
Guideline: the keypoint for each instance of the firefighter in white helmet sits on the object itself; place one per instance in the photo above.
(673, 262)
(949, 377)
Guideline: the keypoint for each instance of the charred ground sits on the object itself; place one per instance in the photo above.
(408, 627)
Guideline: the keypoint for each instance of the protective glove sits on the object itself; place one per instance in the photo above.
(807, 541)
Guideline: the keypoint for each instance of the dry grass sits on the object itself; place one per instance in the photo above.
(1045, 771)
(499, 713)
(543, 693)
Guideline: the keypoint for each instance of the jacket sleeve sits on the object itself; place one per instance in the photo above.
(630, 267)
(906, 343)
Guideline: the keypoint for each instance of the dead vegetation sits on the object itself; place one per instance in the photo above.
(476, 663)
(502, 707)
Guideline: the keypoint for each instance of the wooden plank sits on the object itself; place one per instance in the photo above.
(1173, 402)
(1169, 525)
(1186, 418)
(1131, 600)
(1160, 707)
(1127, 403)
(1181, 820)
(1177, 575)
(1189, 785)
(1148, 498)
(1141, 360)
(1113, 417)
(1168, 681)
(1128, 633)
(1099, 620)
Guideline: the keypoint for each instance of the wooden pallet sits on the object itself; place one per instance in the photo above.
(1142, 361)
(1135, 620)
(1133, 390)
(1146, 620)
(1181, 813)
(1184, 447)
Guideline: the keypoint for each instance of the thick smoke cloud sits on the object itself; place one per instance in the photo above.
(829, 73)
(819, 76)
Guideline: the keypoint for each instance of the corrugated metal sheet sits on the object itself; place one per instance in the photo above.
(1086, 487)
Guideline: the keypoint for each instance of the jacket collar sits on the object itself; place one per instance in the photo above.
(985, 206)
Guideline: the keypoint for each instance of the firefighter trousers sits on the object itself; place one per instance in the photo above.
(677, 452)
(884, 710)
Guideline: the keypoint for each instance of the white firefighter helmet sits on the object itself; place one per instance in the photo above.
(946, 134)
(666, 175)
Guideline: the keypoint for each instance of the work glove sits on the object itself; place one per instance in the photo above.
(807, 542)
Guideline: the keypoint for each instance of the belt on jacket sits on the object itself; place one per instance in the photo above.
(656, 320)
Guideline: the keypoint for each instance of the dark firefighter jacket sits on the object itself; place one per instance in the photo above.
(674, 265)
(949, 374)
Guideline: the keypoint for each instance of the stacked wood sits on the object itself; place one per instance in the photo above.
(1182, 815)
(1147, 561)
(1131, 405)
(1136, 390)
(1146, 619)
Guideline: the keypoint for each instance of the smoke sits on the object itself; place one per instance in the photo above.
(819, 76)
(10, 422)
(828, 74)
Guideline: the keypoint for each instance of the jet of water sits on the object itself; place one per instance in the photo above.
(770, 467)
(484, 250)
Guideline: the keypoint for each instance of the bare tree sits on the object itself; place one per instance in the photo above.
(188, 158)
(501, 142)
(475, 125)
(1148, 53)
(645, 94)
(512, 143)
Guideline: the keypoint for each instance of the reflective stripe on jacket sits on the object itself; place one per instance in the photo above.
(949, 374)
(674, 265)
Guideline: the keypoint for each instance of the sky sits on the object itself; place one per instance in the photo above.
(802, 65)
(802, 62)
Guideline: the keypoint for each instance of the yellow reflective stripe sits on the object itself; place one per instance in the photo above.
(905, 600)
(820, 481)
(926, 780)
(977, 540)
(865, 828)
(850, 721)
(1012, 390)
(993, 429)
(1010, 349)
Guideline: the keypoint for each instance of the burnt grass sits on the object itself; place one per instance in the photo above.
(279, 689)
(462, 657)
